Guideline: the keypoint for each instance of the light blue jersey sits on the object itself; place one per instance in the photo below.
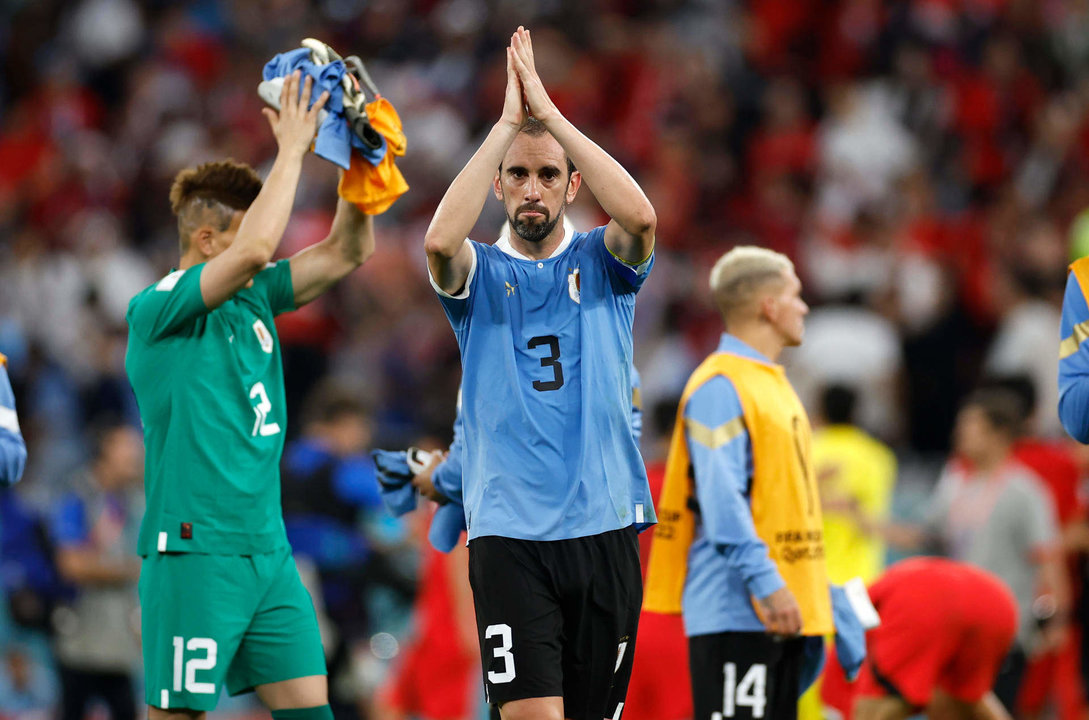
(549, 452)
(728, 563)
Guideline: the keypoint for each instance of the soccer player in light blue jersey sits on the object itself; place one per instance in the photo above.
(554, 487)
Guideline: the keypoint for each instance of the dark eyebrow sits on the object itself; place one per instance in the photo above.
(515, 168)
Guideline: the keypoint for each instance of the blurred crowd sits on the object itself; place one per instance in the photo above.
(924, 162)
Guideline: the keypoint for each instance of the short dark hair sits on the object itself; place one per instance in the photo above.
(102, 431)
(838, 404)
(1003, 409)
(1021, 386)
(535, 128)
(333, 400)
(211, 193)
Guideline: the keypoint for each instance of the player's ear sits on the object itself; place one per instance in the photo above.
(769, 307)
(204, 237)
(574, 182)
(497, 185)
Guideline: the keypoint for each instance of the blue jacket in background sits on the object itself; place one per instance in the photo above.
(12, 445)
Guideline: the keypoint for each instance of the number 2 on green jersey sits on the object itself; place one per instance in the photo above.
(263, 407)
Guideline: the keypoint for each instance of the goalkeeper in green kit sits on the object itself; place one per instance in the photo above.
(222, 603)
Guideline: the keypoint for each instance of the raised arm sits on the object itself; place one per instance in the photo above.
(630, 233)
(449, 257)
(263, 225)
(350, 242)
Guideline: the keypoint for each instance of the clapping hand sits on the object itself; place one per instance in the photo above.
(533, 90)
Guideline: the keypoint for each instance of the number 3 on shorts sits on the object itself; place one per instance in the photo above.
(191, 666)
(503, 651)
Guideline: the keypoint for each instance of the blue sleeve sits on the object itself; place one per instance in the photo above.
(636, 405)
(355, 481)
(1074, 363)
(68, 525)
(721, 455)
(459, 307)
(447, 476)
(626, 278)
(12, 446)
(167, 306)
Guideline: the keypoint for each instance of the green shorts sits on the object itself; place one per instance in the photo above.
(206, 620)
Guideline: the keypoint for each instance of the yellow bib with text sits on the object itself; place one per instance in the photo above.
(785, 506)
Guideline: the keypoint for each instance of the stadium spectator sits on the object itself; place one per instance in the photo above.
(856, 475)
(851, 345)
(94, 528)
(1054, 675)
(991, 511)
(328, 490)
(437, 675)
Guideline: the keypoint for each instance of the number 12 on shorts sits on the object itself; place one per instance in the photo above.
(187, 669)
(751, 692)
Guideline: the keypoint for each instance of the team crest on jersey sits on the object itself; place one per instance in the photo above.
(263, 335)
(574, 286)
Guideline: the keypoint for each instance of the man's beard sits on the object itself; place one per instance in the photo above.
(534, 232)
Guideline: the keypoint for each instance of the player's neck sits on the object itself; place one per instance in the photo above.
(539, 250)
(760, 338)
(991, 462)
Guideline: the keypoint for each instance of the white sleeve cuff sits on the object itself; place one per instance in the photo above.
(464, 294)
(8, 419)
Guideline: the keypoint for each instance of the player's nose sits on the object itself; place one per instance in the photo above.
(533, 188)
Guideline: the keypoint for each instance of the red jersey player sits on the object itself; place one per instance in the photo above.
(945, 630)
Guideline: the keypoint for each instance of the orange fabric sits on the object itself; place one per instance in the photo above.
(374, 188)
(3, 360)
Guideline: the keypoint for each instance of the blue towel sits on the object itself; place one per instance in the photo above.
(400, 497)
(335, 139)
(850, 642)
(850, 635)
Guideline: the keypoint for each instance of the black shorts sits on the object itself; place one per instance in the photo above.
(746, 675)
(558, 618)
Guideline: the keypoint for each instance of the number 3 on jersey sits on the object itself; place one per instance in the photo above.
(552, 361)
(263, 407)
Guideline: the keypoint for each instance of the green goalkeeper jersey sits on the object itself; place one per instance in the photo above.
(210, 388)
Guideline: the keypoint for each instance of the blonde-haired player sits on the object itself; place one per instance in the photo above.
(739, 546)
